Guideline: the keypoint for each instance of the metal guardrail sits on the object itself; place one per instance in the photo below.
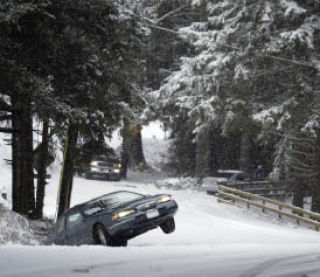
(297, 214)
(263, 188)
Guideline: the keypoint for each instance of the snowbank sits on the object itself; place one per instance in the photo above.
(14, 228)
(177, 183)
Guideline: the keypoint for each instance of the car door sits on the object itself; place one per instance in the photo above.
(77, 228)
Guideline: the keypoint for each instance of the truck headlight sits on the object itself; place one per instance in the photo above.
(116, 170)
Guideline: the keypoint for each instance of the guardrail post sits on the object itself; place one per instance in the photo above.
(279, 214)
(263, 203)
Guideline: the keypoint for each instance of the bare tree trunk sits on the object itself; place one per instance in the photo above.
(203, 153)
(245, 163)
(42, 170)
(67, 171)
(132, 144)
(315, 188)
(23, 199)
(299, 191)
(214, 145)
(16, 160)
(27, 178)
(315, 191)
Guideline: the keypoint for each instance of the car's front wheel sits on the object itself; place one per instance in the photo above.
(168, 226)
(87, 175)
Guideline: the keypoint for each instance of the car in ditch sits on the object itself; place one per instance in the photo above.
(224, 177)
(104, 168)
(114, 218)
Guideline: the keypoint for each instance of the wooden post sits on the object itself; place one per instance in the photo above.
(263, 203)
(280, 208)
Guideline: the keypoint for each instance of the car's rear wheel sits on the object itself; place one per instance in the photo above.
(168, 226)
(101, 236)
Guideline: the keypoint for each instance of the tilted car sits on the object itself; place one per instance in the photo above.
(114, 218)
(224, 177)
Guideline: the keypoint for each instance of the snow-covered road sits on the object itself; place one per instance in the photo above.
(211, 239)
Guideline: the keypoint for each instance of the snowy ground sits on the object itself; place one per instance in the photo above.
(211, 239)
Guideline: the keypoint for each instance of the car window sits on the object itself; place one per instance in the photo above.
(60, 224)
(111, 201)
(74, 219)
(104, 163)
(224, 175)
(93, 210)
(243, 177)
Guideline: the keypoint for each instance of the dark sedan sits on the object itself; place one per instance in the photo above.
(114, 218)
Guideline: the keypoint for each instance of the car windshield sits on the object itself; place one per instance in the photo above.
(224, 175)
(103, 163)
(111, 201)
(243, 177)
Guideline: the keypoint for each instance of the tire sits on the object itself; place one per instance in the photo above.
(87, 175)
(100, 236)
(168, 226)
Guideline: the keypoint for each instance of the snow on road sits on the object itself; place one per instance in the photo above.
(211, 239)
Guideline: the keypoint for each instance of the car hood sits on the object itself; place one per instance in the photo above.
(145, 202)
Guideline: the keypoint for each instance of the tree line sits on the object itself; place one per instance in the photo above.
(235, 82)
(245, 91)
(77, 68)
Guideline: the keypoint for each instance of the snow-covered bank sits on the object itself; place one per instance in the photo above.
(211, 239)
(14, 228)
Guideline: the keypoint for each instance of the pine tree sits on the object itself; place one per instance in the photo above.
(250, 57)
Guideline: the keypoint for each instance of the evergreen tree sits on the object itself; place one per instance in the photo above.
(250, 56)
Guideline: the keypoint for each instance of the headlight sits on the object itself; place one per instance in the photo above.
(165, 198)
(119, 165)
(116, 170)
(94, 164)
(122, 214)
